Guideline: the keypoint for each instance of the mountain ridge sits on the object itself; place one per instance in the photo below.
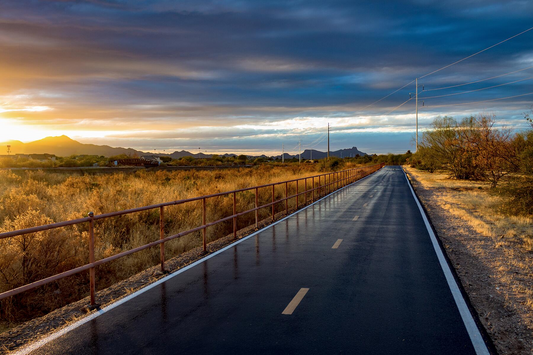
(65, 146)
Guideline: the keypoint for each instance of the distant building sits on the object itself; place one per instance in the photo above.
(152, 159)
(136, 162)
(42, 157)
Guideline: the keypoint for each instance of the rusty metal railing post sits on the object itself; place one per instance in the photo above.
(162, 236)
(313, 189)
(286, 198)
(92, 273)
(204, 222)
(256, 205)
(273, 216)
(305, 195)
(297, 194)
(234, 217)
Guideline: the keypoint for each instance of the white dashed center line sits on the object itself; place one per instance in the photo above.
(355, 218)
(295, 301)
(337, 243)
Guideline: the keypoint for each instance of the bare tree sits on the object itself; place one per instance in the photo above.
(492, 148)
(471, 149)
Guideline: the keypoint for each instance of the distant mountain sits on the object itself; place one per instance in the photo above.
(64, 146)
(316, 154)
(184, 153)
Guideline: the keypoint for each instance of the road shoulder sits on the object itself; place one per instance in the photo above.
(494, 272)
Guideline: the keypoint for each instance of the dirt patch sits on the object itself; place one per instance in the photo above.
(487, 251)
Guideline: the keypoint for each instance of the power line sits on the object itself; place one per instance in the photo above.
(384, 97)
(317, 141)
(485, 88)
(478, 81)
(475, 102)
(472, 55)
(400, 105)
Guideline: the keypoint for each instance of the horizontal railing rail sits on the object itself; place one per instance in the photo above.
(327, 183)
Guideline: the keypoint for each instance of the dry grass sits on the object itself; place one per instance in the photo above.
(474, 203)
(491, 252)
(34, 198)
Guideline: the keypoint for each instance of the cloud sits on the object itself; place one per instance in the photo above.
(253, 72)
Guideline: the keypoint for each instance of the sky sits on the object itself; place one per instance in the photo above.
(255, 76)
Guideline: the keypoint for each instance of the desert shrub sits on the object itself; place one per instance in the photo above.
(333, 164)
(523, 144)
(518, 199)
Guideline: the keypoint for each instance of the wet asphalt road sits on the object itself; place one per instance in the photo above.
(381, 291)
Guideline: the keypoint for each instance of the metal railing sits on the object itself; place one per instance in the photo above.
(327, 183)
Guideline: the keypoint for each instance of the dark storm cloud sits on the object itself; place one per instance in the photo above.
(182, 64)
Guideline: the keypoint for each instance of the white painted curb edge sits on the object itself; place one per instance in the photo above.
(469, 322)
(39, 343)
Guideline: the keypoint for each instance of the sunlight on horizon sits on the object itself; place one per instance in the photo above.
(13, 130)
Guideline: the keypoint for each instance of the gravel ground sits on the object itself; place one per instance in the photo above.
(496, 272)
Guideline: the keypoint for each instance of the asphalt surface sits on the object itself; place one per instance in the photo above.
(380, 290)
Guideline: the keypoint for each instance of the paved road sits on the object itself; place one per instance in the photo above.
(380, 290)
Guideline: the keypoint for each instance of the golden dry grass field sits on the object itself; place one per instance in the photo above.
(491, 252)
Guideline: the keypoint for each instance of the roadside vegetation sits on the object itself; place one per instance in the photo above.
(31, 198)
(474, 149)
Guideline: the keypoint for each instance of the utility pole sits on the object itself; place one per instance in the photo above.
(283, 153)
(299, 151)
(8, 149)
(328, 142)
(416, 100)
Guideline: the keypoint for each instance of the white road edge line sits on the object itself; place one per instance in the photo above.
(337, 243)
(39, 343)
(295, 301)
(475, 336)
